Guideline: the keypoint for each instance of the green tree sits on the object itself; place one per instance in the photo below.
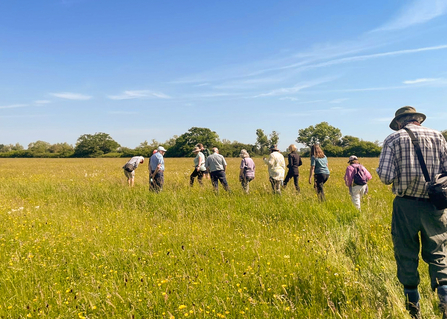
(262, 141)
(185, 143)
(322, 133)
(274, 138)
(444, 133)
(95, 145)
(61, 149)
(38, 148)
(348, 140)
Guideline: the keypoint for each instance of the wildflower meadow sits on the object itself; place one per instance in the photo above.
(77, 242)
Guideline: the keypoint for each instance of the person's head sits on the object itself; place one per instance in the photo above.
(200, 145)
(215, 150)
(196, 150)
(161, 150)
(155, 151)
(405, 115)
(292, 148)
(316, 151)
(142, 160)
(353, 160)
(274, 148)
(244, 154)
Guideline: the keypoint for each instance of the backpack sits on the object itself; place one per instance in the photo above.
(359, 176)
(129, 167)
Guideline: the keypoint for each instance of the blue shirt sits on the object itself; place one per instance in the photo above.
(156, 159)
(320, 165)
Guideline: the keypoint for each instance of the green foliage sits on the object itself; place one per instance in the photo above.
(39, 148)
(233, 149)
(61, 149)
(322, 133)
(185, 143)
(262, 141)
(444, 133)
(95, 145)
(10, 147)
(348, 140)
(363, 149)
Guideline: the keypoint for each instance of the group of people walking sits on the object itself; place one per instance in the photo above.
(417, 225)
(214, 167)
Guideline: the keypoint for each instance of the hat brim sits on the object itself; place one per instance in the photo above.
(395, 127)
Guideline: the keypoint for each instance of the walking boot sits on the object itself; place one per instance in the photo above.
(442, 295)
(412, 303)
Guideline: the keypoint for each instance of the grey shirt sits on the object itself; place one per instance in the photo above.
(215, 162)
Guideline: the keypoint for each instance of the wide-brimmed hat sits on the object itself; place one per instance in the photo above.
(352, 158)
(196, 149)
(274, 148)
(406, 110)
(161, 148)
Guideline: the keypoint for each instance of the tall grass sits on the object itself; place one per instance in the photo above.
(76, 242)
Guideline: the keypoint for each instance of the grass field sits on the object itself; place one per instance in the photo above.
(76, 242)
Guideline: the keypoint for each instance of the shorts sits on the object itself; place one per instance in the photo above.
(129, 175)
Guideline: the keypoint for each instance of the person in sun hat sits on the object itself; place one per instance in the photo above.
(247, 170)
(130, 167)
(206, 153)
(277, 168)
(156, 170)
(320, 169)
(416, 224)
(356, 178)
(199, 167)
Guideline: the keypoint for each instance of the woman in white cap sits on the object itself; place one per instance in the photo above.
(247, 172)
(356, 178)
(199, 167)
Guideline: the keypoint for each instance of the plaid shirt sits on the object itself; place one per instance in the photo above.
(399, 164)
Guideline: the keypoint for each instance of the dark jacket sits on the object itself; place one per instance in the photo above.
(294, 162)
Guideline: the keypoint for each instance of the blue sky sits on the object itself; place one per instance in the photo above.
(143, 70)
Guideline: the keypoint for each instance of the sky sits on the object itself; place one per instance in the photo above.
(143, 69)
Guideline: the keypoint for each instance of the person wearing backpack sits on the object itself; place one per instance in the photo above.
(247, 170)
(418, 227)
(130, 167)
(356, 178)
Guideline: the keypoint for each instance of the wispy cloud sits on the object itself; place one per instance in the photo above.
(414, 13)
(71, 96)
(417, 81)
(294, 89)
(139, 94)
(13, 106)
(289, 98)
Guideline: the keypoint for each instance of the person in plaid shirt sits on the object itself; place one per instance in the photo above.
(413, 214)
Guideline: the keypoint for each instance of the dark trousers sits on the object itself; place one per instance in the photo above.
(320, 179)
(412, 218)
(295, 179)
(194, 174)
(157, 181)
(217, 176)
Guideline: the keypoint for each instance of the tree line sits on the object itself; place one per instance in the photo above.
(103, 145)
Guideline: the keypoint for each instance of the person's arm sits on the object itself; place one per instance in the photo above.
(386, 169)
(348, 176)
(200, 163)
(311, 172)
